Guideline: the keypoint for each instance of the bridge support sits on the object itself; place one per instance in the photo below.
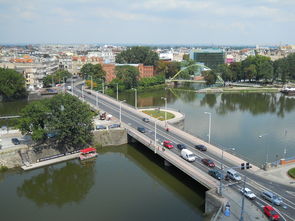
(213, 201)
(167, 163)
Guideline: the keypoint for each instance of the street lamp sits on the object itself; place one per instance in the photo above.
(261, 136)
(72, 86)
(96, 98)
(91, 83)
(102, 86)
(117, 92)
(135, 97)
(221, 167)
(165, 99)
(156, 119)
(209, 133)
(121, 110)
(83, 92)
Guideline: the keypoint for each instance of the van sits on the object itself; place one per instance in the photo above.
(234, 175)
(188, 155)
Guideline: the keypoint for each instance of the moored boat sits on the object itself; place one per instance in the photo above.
(88, 153)
(288, 90)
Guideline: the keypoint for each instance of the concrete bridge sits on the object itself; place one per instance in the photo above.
(131, 118)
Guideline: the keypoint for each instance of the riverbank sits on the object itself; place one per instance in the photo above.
(240, 90)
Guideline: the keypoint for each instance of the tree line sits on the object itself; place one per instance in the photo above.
(259, 68)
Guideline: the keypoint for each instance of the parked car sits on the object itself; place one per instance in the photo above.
(101, 127)
(181, 146)
(114, 126)
(201, 147)
(270, 212)
(168, 144)
(271, 197)
(208, 162)
(188, 155)
(15, 141)
(234, 175)
(141, 129)
(248, 193)
(146, 119)
(216, 174)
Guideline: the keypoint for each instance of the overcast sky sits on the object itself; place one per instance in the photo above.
(233, 22)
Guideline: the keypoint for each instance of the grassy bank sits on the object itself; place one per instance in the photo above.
(159, 114)
(291, 173)
(240, 90)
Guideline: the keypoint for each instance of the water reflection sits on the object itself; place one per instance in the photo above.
(250, 102)
(58, 186)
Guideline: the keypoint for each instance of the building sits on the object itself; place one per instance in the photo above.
(209, 57)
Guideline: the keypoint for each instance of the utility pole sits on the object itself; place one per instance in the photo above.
(117, 92)
(103, 86)
(243, 200)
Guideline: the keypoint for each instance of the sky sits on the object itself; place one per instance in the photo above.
(190, 22)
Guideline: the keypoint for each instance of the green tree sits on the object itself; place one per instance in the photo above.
(225, 72)
(55, 78)
(250, 72)
(64, 114)
(266, 70)
(291, 65)
(210, 77)
(12, 84)
(236, 69)
(138, 55)
(127, 74)
(94, 70)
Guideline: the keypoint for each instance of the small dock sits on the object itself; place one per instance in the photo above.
(29, 166)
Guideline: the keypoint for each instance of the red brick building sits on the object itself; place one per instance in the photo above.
(144, 71)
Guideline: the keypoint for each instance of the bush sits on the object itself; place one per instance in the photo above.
(3, 168)
(291, 173)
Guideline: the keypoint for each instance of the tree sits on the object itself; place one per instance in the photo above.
(63, 114)
(266, 71)
(250, 72)
(94, 70)
(128, 74)
(225, 72)
(12, 84)
(236, 69)
(210, 77)
(138, 55)
(55, 78)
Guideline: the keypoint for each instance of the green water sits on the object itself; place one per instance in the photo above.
(124, 183)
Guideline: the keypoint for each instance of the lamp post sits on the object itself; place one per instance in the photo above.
(209, 133)
(221, 167)
(102, 86)
(156, 134)
(91, 83)
(72, 86)
(96, 99)
(121, 110)
(135, 97)
(83, 92)
(117, 92)
(261, 136)
(64, 86)
(165, 99)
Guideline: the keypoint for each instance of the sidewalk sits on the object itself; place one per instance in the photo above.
(279, 174)
(251, 212)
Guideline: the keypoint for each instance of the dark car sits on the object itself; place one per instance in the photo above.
(146, 119)
(208, 162)
(141, 129)
(15, 141)
(114, 126)
(271, 197)
(201, 147)
(216, 174)
(181, 146)
(100, 127)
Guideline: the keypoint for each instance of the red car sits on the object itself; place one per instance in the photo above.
(208, 162)
(271, 213)
(168, 144)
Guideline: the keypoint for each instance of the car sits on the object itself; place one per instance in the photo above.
(181, 146)
(146, 119)
(208, 162)
(248, 193)
(69, 88)
(201, 147)
(15, 141)
(168, 144)
(51, 134)
(216, 174)
(270, 212)
(234, 175)
(100, 127)
(188, 155)
(114, 126)
(141, 129)
(271, 197)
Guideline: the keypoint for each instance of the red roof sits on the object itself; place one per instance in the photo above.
(87, 150)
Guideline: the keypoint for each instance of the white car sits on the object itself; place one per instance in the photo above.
(248, 193)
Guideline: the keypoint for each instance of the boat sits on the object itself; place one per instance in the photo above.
(87, 153)
(288, 90)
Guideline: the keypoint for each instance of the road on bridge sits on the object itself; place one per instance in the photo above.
(256, 183)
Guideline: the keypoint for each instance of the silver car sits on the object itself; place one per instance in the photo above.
(271, 197)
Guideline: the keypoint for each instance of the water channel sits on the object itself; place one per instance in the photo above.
(129, 182)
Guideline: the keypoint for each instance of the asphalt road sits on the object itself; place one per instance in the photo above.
(256, 183)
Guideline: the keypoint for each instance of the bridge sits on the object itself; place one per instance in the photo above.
(131, 118)
(196, 73)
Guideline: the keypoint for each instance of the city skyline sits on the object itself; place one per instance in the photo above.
(158, 22)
